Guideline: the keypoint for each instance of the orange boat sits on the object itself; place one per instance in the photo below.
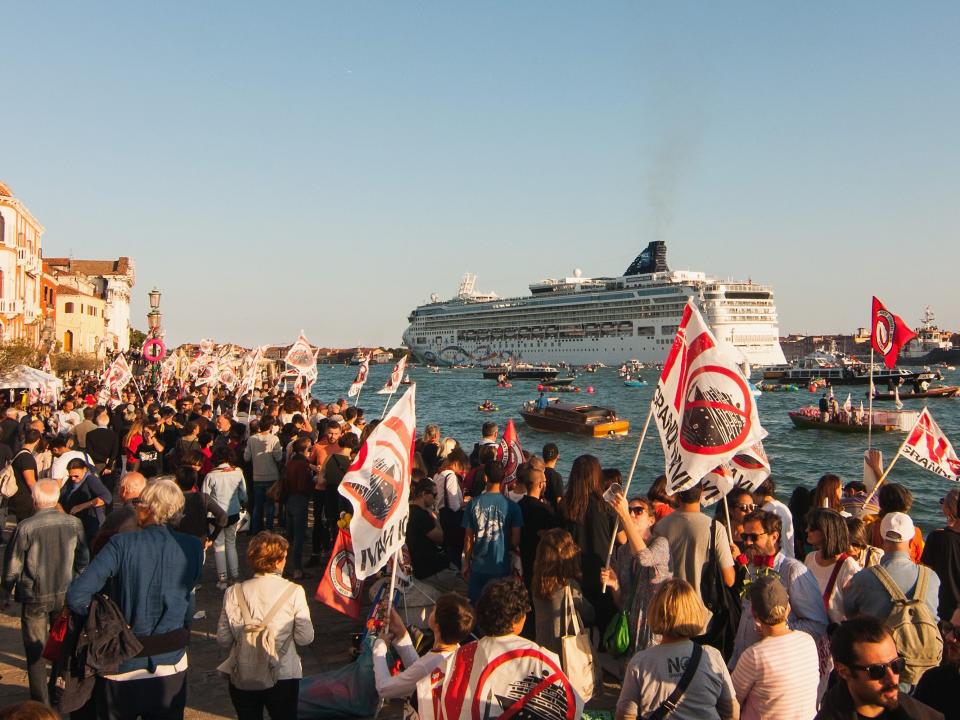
(591, 420)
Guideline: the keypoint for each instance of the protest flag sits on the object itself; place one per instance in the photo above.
(888, 333)
(702, 404)
(377, 485)
(339, 587)
(509, 455)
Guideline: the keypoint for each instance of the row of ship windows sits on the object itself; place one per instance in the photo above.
(583, 318)
(574, 334)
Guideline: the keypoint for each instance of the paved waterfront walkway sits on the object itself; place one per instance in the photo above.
(207, 695)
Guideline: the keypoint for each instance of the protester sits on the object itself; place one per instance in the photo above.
(553, 492)
(451, 621)
(297, 487)
(492, 526)
(778, 676)
(829, 562)
(941, 553)
(869, 669)
(639, 567)
(155, 571)
(555, 579)
(860, 549)
(739, 504)
(451, 501)
(85, 496)
(202, 516)
(663, 502)
(333, 471)
(425, 540)
(765, 497)
(677, 614)
(264, 452)
(124, 518)
(46, 552)
(538, 518)
(591, 522)
(882, 589)
(895, 498)
(279, 606)
(501, 612)
(761, 538)
(828, 493)
(938, 686)
(103, 446)
(25, 472)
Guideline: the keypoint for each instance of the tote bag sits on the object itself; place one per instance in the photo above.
(577, 652)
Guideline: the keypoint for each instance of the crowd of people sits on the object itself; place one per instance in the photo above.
(815, 607)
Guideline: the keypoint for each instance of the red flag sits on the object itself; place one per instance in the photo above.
(339, 587)
(888, 333)
(510, 455)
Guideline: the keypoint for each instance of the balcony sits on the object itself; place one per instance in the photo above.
(21, 256)
(11, 307)
(30, 314)
(33, 265)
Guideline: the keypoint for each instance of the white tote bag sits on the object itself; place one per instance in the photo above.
(579, 665)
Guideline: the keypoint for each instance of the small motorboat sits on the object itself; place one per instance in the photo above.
(635, 382)
(487, 407)
(933, 392)
(591, 420)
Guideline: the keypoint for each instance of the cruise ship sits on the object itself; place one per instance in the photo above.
(578, 320)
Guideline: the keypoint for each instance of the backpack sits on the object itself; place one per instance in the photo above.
(254, 658)
(8, 478)
(912, 624)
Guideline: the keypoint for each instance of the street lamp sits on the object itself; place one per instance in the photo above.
(154, 296)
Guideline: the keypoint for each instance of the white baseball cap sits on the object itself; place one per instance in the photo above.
(896, 527)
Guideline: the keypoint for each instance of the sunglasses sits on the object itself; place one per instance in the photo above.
(746, 507)
(878, 671)
(752, 537)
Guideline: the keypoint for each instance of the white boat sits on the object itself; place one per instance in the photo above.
(579, 320)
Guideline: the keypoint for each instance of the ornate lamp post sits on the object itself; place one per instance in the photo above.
(153, 349)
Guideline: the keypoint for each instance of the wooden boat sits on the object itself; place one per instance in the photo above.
(883, 421)
(944, 392)
(591, 420)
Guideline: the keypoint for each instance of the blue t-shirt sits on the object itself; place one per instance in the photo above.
(491, 516)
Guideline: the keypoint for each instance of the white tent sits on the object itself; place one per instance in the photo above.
(21, 377)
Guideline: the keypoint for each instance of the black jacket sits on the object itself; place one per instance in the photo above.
(838, 705)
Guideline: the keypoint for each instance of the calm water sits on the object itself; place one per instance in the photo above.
(798, 457)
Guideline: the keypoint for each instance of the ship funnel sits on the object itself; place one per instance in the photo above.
(652, 259)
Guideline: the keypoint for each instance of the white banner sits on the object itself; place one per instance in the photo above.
(378, 487)
(396, 375)
(703, 406)
(928, 447)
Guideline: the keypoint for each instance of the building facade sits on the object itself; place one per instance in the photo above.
(112, 281)
(21, 316)
(80, 326)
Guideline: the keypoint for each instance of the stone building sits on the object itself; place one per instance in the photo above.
(21, 317)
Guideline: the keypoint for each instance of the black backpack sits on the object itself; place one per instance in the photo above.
(722, 601)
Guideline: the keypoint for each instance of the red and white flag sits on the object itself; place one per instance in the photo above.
(361, 378)
(396, 375)
(888, 333)
(377, 485)
(746, 470)
(339, 587)
(116, 377)
(301, 355)
(929, 448)
(510, 456)
(703, 406)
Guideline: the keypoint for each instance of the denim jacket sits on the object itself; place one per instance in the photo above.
(154, 571)
(46, 551)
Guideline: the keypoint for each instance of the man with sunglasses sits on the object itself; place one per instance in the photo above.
(869, 667)
(761, 542)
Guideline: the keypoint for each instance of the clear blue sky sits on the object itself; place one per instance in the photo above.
(329, 165)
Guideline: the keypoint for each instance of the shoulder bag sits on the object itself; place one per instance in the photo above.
(576, 652)
(719, 600)
(670, 704)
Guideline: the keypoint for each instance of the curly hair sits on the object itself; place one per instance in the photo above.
(503, 604)
(557, 562)
(455, 617)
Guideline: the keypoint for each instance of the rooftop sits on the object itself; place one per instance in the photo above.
(120, 266)
(5, 189)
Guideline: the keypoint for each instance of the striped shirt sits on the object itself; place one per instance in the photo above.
(778, 677)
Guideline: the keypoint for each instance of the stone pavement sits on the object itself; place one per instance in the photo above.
(207, 695)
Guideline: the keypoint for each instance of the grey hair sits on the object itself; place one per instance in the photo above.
(132, 484)
(46, 493)
(163, 499)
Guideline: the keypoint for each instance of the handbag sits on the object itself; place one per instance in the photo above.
(58, 632)
(721, 601)
(670, 704)
(616, 637)
(576, 652)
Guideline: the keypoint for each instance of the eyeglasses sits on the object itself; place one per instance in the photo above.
(746, 507)
(878, 671)
(752, 537)
(637, 509)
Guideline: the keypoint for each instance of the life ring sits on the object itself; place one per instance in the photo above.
(154, 350)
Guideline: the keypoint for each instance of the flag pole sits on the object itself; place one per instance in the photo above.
(626, 489)
(726, 512)
(384, 413)
(870, 410)
(889, 468)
